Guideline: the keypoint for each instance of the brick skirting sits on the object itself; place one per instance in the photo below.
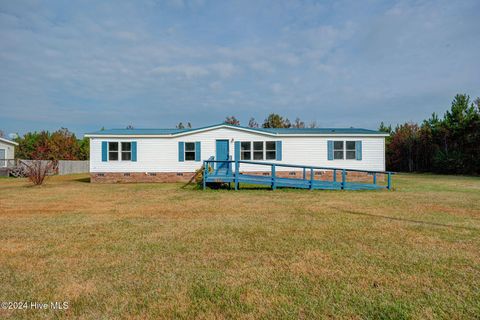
(134, 177)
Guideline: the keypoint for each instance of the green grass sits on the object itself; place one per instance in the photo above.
(159, 251)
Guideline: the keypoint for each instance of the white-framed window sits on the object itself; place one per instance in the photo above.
(119, 151)
(258, 150)
(126, 151)
(189, 151)
(338, 150)
(351, 151)
(270, 150)
(113, 151)
(246, 150)
(344, 150)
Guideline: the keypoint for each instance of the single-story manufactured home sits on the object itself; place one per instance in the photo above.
(171, 155)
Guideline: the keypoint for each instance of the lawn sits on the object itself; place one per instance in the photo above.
(159, 251)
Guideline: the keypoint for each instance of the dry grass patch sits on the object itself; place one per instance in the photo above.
(157, 251)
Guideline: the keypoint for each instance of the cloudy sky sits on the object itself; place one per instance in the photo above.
(88, 64)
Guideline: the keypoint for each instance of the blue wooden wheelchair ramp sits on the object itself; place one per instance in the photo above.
(228, 171)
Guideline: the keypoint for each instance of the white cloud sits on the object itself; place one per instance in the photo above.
(224, 70)
(176, 3)
(84, 59)
(127, 35)
(216, 85)
(263, 66)
(288, 58)
(188, 71)
(277, 88)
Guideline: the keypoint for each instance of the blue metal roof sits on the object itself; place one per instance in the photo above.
(281, 131)
(138, 131)
(320, 131)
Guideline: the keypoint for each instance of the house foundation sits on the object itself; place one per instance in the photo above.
(152, 177)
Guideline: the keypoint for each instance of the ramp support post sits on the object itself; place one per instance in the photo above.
(205, 172)
(274, 185)
(311, 178)
(237, 168)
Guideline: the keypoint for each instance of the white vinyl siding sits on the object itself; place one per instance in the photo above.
(3, 157)
(9, 153)
(161, 154)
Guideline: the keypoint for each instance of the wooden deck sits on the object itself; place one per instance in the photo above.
(226, 174)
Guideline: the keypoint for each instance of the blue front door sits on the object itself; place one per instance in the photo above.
(222, 154)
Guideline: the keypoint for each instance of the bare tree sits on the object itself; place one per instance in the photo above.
(232, 120)
(180, 125)
(37, 170)
(2, 134)
(298, 123)
(313, 124)
(252, 123)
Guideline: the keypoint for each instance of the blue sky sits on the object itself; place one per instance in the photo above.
(88, 64)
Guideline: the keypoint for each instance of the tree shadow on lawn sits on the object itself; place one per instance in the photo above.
(84, 180)
(406, 220)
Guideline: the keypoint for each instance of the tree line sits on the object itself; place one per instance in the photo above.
(59, 145)
(450, 144)
(273, 120)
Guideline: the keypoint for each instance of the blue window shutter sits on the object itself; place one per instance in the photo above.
(181, 151)
(237, 150)
(278, 148)
(198, 151)
(358, 149)
(330, 149)
(134, 150)
(104, 151)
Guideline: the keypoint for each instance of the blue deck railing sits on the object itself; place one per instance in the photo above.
(223, 173)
